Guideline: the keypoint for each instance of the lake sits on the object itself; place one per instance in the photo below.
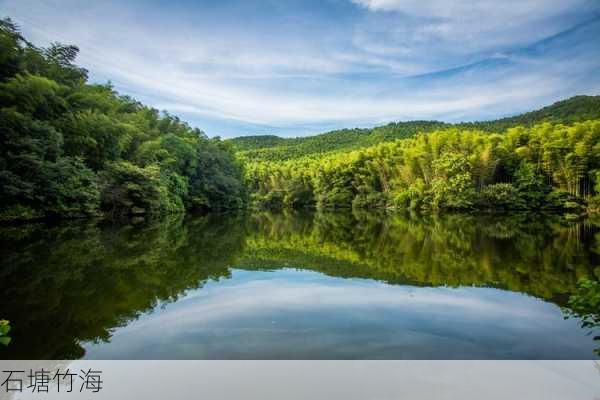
(305, 285)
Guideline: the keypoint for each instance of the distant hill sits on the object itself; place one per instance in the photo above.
(273, 148)
(574, 109)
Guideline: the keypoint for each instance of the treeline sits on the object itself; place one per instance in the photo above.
(574, 109)
(545, 166)
(274, 148)
(69, 148)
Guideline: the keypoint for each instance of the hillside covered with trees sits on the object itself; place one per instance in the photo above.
(545, 166)
(69, 148)
(274, 148)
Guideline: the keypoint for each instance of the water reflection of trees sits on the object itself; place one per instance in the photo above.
(75, 282)
(541, 255)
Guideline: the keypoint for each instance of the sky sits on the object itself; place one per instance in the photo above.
(300, 314)
(300, 67)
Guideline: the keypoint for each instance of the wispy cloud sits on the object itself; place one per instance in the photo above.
(270, 314)
(296, 67)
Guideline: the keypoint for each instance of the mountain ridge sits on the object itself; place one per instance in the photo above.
(274, 148)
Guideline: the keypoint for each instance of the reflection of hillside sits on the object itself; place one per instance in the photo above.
(77, 281)
(540, 256)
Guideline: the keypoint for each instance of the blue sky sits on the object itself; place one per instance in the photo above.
(294, 68)
(299, 314)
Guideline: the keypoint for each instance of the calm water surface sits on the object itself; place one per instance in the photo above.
(298, 286)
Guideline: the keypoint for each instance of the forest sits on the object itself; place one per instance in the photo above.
(69, 148)
(547, 165)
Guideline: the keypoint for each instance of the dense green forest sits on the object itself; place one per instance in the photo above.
(274, 148)
(547, 165)
(69, 148)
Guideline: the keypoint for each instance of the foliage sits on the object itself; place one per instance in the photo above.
(545, 166)
(574, 109)
(217, 182)
(71, 149)
(501, 196)
(274, 148)
(594, 202)
(584, 305)
(130, 190)
(4, 330)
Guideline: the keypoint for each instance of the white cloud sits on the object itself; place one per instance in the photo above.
(230, 300)
(270, 314)
(362, 72)
(471, 9)
(441, 33)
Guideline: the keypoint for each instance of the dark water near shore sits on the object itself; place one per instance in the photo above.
(298, 286)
